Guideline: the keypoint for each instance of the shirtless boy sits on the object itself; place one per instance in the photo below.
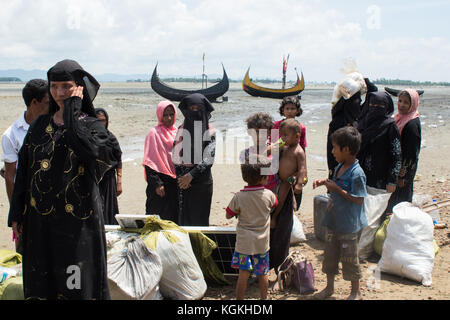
(292, 163)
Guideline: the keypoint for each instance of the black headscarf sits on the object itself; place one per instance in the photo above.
(113, 152)
(70, 70)
(375, 120)
(346, 111)
(190, 117)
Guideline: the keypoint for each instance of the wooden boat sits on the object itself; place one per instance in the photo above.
(258, 91)
(174, 94)
(395, 92)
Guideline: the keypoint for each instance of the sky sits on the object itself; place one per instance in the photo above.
(386, 39)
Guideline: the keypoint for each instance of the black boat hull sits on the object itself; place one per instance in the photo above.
(174, 94)
(395, 92)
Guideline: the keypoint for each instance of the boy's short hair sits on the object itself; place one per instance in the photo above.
(34, 89)
(347, 136)
(259, 120)
(293, 100)
(251, 168)
(291, 125)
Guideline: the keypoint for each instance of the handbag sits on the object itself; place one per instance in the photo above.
(296, 271)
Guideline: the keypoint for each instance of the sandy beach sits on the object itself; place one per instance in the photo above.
(433, 178)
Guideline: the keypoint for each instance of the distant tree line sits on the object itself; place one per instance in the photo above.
(399, 82)
(10, 79)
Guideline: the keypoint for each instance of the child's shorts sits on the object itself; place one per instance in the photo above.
(344, 248)
(257, 263)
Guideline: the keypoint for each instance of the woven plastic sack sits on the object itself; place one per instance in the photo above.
(9, 258)
(408, 250)
(135, 272)
(12, 289)
(182, 277)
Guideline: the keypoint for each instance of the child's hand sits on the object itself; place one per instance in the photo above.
(331, 185)
(318, 183)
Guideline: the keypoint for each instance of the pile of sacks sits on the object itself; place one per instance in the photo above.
(156, 264)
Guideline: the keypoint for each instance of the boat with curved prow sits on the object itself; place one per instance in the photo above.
(395, 92)
(258, 91)
(174, 94)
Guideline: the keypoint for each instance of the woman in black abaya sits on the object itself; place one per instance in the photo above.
(193, 157)
(56, 202)
(111, 184)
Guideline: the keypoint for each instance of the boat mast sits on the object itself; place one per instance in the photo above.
(204, 76)
(285, 62)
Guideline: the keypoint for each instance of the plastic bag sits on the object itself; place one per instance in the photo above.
(408, 249)
(182, 277)
(375, 204)
(352, 82)
(6, 273)
(297, 234)
(135, 272)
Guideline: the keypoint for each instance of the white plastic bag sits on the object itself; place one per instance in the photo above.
(134, 273)
(352, 82)
(182, 277)
(408, 249)
(375, 204)
(297, 234)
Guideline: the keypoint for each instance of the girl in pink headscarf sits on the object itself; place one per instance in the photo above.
(162, 189)
(408, 123)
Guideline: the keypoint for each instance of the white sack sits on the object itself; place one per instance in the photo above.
(182, 278)
(297, 234)
(408, 249)
(375, 204)
(134, 272)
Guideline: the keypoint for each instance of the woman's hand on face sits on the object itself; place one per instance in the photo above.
(160, 191)
(78, 92)
(185, 182)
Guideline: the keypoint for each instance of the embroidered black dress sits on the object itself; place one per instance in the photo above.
(57, 201)
(195, 202)
(410, 143)
(380, 152)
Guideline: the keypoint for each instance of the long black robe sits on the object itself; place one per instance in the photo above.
(108, 184)
(166, 207)
(380, 153)
(57, 201)
(410, 145)
(195, 202)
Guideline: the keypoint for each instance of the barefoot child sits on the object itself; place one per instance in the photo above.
(290, 108)
(291, 178)
(345, 217)
(252, 207)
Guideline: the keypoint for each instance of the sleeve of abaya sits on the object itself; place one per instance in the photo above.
(396, 155)
(18, 199)
(208, 159)
(411, 139)
(85, 135)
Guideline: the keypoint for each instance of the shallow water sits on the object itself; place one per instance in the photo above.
(135, 103)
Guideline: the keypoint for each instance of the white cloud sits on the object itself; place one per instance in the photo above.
(131, 36)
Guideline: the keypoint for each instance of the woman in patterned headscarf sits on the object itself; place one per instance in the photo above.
(56, 203)
(408, 123)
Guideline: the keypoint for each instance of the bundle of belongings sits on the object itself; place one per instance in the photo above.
(158, 262)
(352, 82)
(11, 282)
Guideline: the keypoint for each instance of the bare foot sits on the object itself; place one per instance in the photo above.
(325, 293)
(355, 296)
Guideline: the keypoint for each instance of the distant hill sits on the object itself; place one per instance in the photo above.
(10, 79)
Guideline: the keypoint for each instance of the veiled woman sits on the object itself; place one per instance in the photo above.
(162, 187)
(193, 157)
(56, 202)
(380, 152)
(111, 184)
